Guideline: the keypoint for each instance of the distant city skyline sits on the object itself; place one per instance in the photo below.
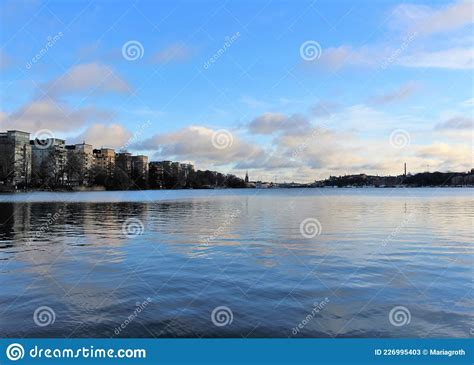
(300, 90)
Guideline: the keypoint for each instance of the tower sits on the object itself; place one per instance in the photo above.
(247, 177)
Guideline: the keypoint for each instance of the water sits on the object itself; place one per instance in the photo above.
(157, 263)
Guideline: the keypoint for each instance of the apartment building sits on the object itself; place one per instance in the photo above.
(49, 161)
(15, 158)
(104, 159)
(123, 161)
(80, 163)
(140, 167)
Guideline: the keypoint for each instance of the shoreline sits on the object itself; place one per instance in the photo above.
(8, 192)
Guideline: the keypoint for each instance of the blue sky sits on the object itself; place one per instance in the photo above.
(388, 82)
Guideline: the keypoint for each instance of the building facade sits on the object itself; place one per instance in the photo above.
(49, 161)
(15, 158)
(140, 167)
(104, 159)
(123, 161)
(80, 163)
(156, 173)
(168, 174)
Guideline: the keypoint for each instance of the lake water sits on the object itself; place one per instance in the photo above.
(238, 263)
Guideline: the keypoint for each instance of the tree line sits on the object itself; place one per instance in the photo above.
(73, 173)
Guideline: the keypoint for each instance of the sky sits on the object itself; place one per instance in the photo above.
(286, 90)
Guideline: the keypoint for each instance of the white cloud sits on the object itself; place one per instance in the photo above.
(418, 24)
(269, 123)
(254, 103)
(324, 108)
(335, 58)
(321, 148)
(361, 143)
(363, 118)
(52, 115)
(426, 20)
(105, 135)
(402, 93)
(457, 123)
(454, 58)
(195, 143)
(87, 78)
(447, 157)
(468, 103)
(398, 54)
(177, 52)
